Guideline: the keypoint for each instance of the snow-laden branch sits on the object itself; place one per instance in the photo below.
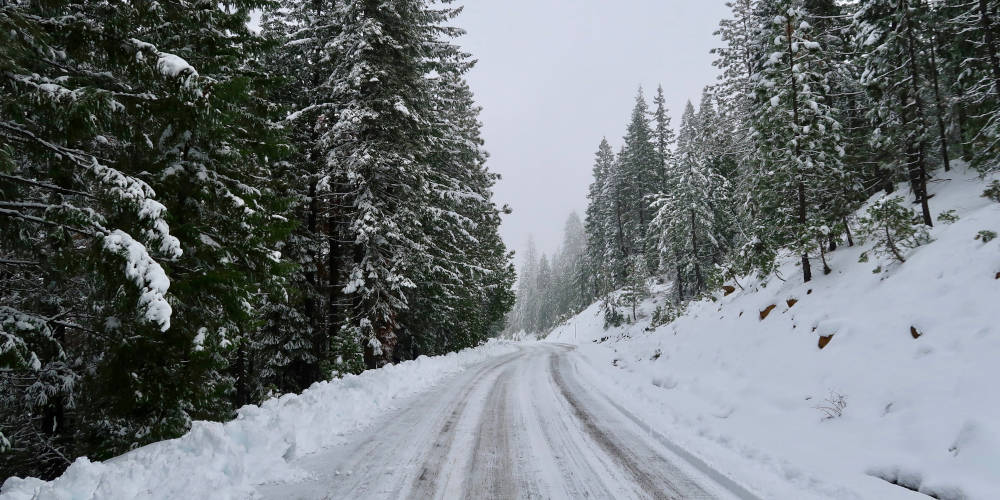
(146, 273)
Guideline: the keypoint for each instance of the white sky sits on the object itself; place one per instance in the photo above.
(554, 76)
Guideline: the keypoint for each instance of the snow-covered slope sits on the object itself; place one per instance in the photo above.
(225, 461)
(742, 390)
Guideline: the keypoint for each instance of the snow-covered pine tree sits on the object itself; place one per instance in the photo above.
(637, 286)
(713, 142)
(206, 144)
(465, 272)
(640, 176)
(890, 34)
(969, 39)
(663, 139)
(797, 135)
(376, 140)
(596, 223)
(84, 238)
(524, 315)
(955, 45)
(686, 222)
(573, 272)
(305, 351)
(545, 302)
(618, 225)
(738, 60)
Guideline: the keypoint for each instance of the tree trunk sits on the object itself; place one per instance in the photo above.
(312, 312)
(822, 256)
(962, 119)
(892, 245)
(801, 209)
(917, 167)
(622, 251)
(699, 283)
(333, 284)
(847, 230)
(679, 285)
(942, 130)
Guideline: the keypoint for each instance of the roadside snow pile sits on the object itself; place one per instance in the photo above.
(844, 385)
(225, 461)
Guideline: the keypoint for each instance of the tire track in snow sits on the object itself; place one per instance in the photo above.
(665, 481)
(491, 470)
(518, 426)
(428, 483)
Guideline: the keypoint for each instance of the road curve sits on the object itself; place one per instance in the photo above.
(517, 426)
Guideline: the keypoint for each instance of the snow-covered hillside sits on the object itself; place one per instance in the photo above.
(911, 352)
(225, 461)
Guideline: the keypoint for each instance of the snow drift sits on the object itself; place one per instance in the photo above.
(911, 349)
(225, 460)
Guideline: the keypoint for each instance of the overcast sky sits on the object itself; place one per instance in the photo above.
(554, 76)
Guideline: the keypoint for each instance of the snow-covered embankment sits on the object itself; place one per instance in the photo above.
(912, 350)
(225, 460)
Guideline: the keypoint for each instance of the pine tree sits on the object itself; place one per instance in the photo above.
(686, 220)
(970, 39)
(464, 288)
(738, 60)
(663, 139)
(524, 316)
(596, 224)
(640, 173)
(889, 34)
(85, 238)
(637, 287)
(299, 353)
(797, 135)
(618, 224)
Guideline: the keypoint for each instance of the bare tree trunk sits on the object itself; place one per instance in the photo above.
(892, 245)
(822, 256)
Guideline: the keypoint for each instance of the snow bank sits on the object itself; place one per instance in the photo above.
(225, 461)
(914, 353)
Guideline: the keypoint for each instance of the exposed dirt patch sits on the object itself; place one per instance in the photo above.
(766, 311)
(914, 332)
(824, 340)
(791, 302)
(728, 289)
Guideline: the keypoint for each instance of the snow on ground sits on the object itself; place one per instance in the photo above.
(742, 392)
(225, 461)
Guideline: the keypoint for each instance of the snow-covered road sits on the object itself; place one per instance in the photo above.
(519, 426)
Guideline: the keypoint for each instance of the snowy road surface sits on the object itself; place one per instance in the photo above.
(518, 426)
